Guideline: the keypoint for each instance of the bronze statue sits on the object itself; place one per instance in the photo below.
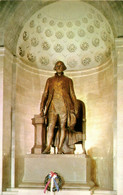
(59, 104)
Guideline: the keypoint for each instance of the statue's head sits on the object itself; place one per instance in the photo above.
(60, 66)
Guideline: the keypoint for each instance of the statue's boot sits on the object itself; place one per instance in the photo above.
(60, 151)
(46, 151)
(67, 150)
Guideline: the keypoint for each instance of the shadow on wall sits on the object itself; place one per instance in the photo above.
(19, 170)
(6, 172)
(93, 167)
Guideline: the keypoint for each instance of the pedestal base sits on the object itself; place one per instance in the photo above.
(28, 191)
(36, 150)
(73, 169)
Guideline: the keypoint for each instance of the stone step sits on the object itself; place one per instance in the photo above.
(28, 191)
(33, 191)
(9, 193)
(104, 192)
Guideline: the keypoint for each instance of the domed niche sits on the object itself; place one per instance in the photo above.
(80, 36)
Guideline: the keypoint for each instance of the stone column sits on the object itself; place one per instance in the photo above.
(13, 123)
(1, 115)
(39, 124)
(119, 47)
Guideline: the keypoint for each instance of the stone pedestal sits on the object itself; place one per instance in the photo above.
(32, 191)
(74, 169)
(39, 124)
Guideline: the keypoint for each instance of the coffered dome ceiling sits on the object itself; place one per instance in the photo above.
(74, 32)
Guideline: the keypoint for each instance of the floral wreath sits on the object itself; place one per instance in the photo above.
(57, 182)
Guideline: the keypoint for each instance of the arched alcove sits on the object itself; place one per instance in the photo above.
(85, 42)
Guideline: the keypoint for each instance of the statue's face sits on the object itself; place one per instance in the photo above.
(59, 67)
